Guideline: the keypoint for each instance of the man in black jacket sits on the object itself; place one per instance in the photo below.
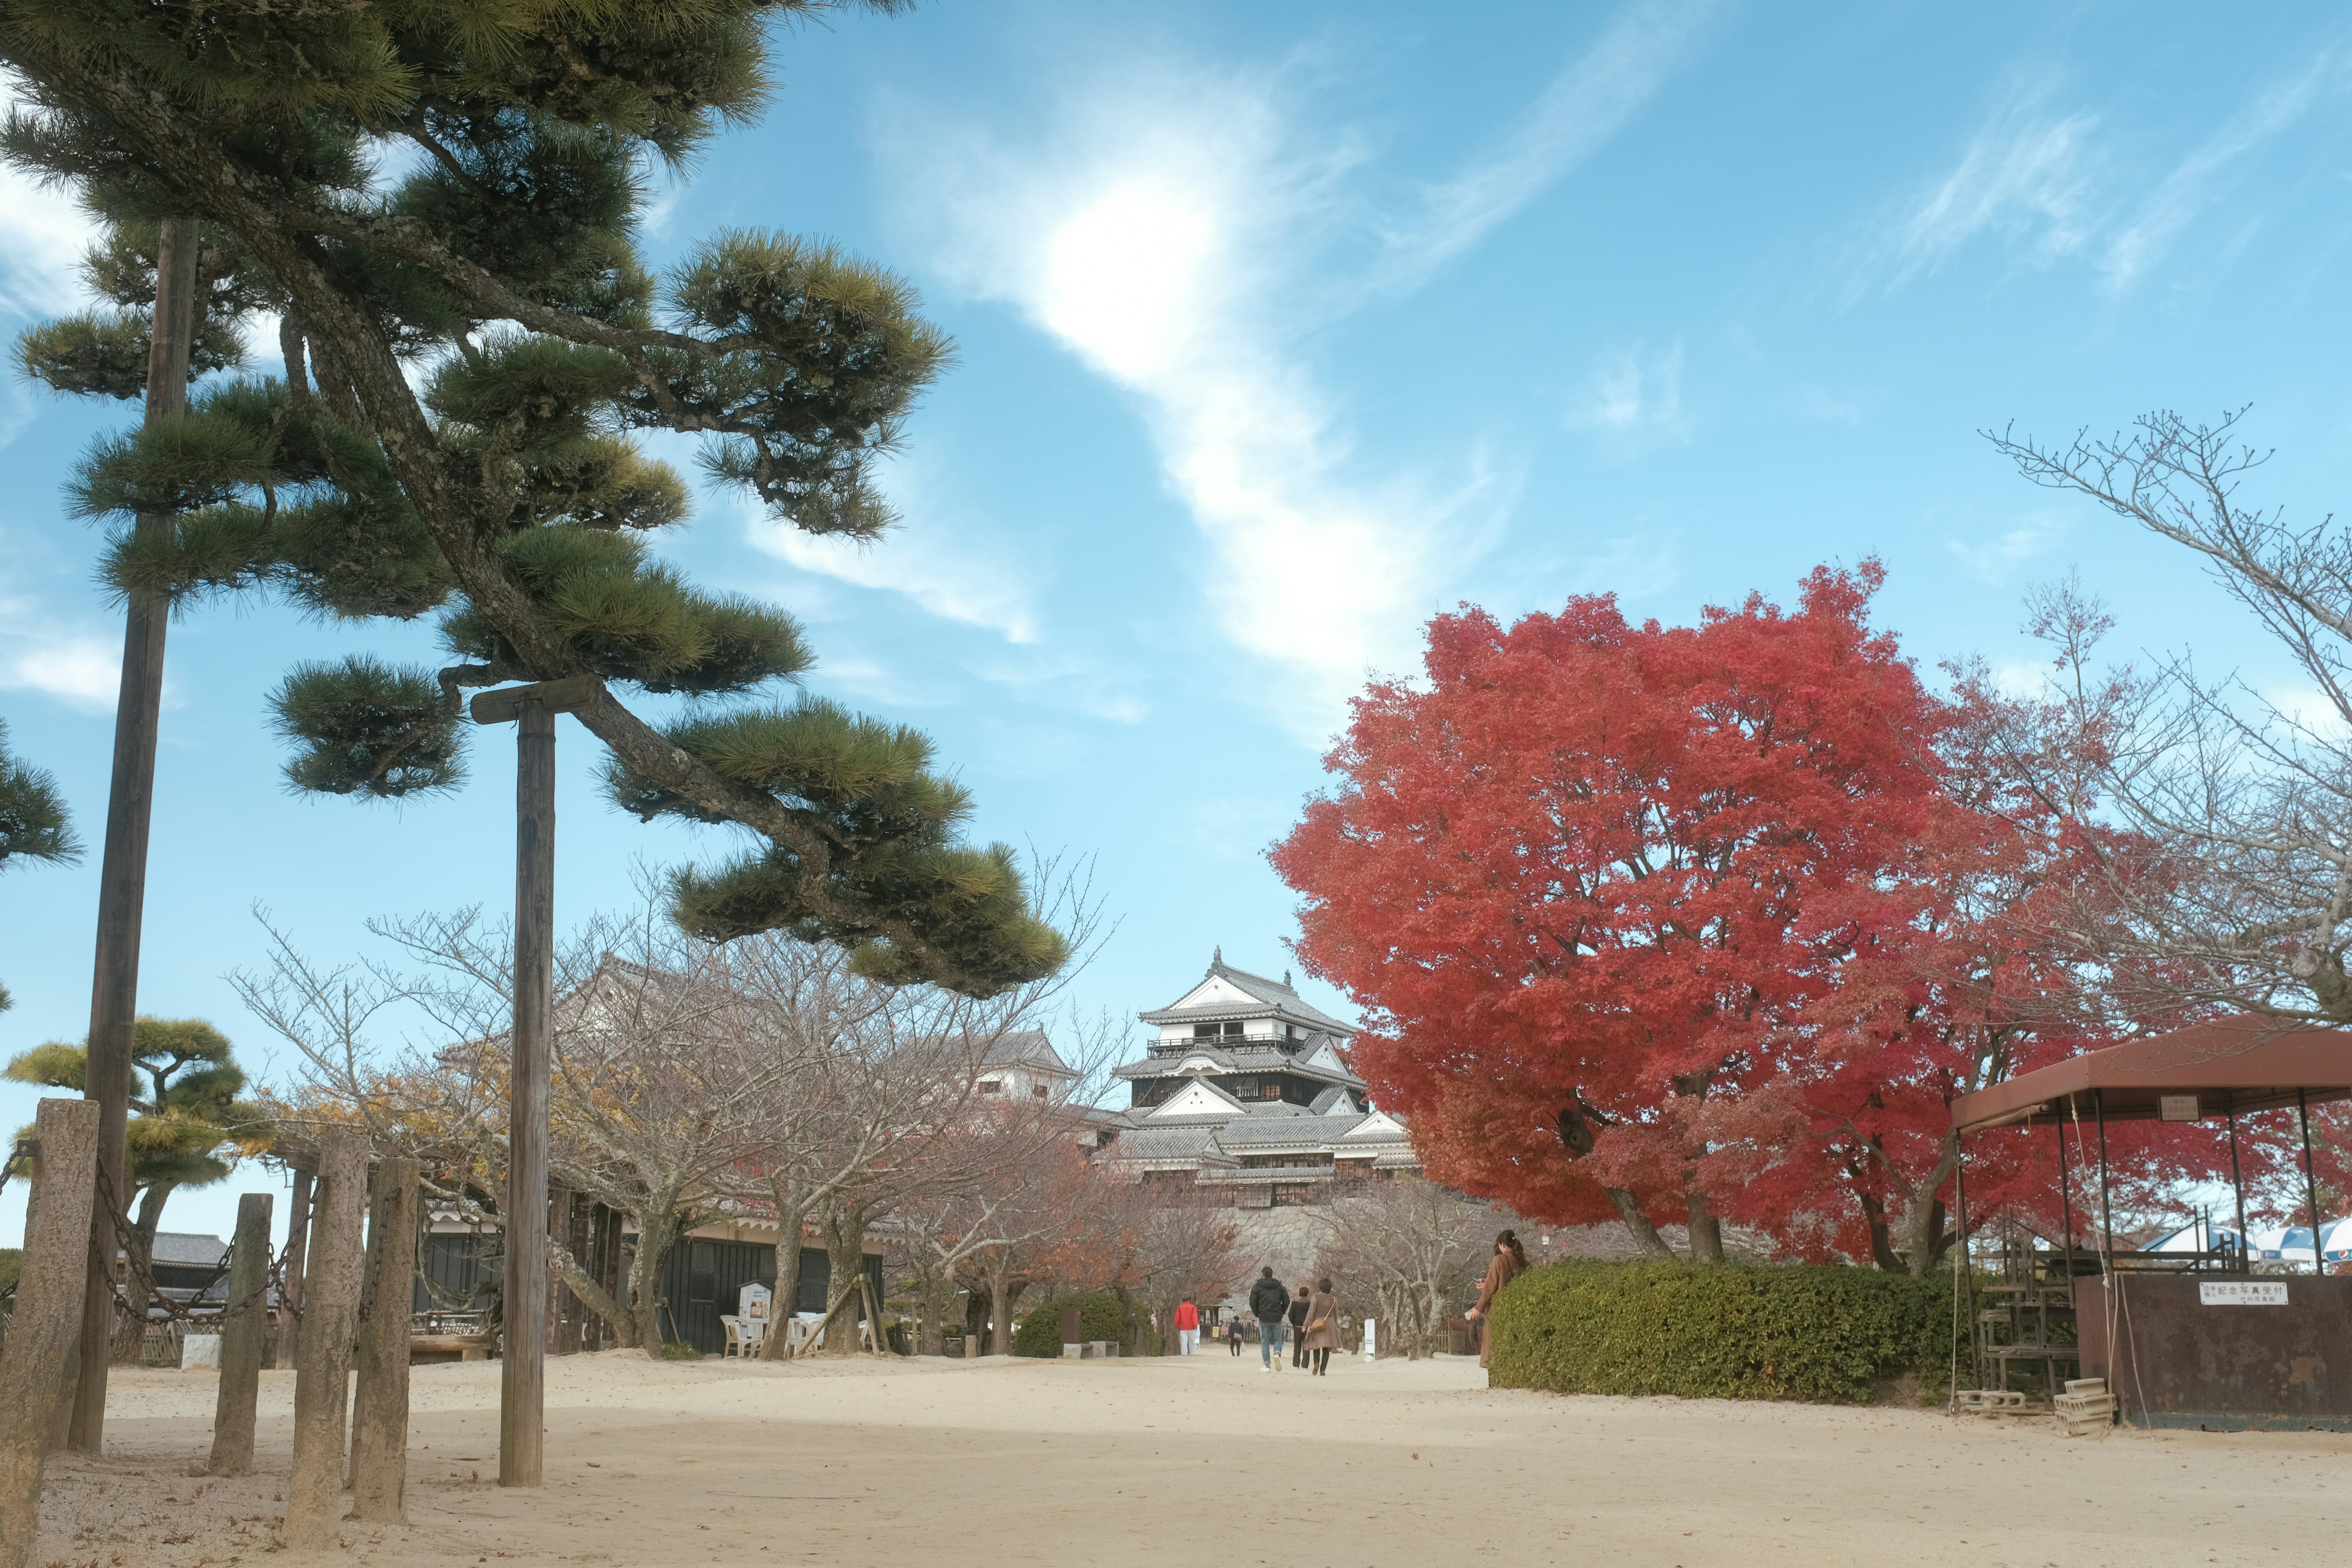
(1298, 1324)
(1267, 1304)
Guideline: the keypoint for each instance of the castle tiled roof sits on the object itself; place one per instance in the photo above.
(1272, 996)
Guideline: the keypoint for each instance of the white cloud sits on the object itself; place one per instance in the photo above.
(2200, 178)
(1169, 227)
(1994, 558)
(935, 557)
(42, 239)
(76, 667)
(1153, 238)
(1586, 104)
(1634, 400)
(2026, 175)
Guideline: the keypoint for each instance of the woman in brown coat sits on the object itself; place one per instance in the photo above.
(1322, 1329)
(1510, 1262)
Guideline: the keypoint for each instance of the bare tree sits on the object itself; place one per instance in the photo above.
(1405, 1250)
(662, 1073)
(2251, 797)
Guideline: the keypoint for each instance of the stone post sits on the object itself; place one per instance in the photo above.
(331, 1310)
(380, 1424)
(290, 1278)
(49, 1312)
(245, 1337)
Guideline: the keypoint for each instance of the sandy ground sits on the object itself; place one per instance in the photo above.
(1206, 1461)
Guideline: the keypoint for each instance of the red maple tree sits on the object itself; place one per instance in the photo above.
(1590, 877)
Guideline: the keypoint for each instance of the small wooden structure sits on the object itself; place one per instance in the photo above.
(2195, 1339)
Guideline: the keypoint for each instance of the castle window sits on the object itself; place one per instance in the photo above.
(1269, 1091)
(1235, 1029)
(991, 1086)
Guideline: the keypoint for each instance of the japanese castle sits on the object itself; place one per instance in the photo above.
(1244, 1098)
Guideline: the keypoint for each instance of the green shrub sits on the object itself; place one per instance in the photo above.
(1827, 1335)
(1040, 1333)
(679, 1350)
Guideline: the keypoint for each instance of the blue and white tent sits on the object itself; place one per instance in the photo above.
(2293, 1244)
(2196, 1236)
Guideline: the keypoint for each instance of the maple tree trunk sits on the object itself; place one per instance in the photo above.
(1577, 1136)
(790, 1220)
(654, 1241)
(592, 1295)
(1705, 1230)
(843, 1229)
(1882, 1245)
(939, 1290)
(1923, 1215)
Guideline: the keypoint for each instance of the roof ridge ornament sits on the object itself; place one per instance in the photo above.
(1216, 958)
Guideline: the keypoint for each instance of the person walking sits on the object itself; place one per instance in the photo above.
(1267, 1304)
(1188, 1327)
(1234, 1333)
(1322, 1328)
(1510, 1262)
(1297, 1316)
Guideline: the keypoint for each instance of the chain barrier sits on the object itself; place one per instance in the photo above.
(133, 1244)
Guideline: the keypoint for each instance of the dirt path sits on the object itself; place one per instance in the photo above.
(1205, 1461)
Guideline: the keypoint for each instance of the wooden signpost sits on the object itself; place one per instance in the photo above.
(523, 1366)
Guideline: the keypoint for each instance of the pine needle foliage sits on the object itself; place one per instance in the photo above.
(440, 203)
(33, 821)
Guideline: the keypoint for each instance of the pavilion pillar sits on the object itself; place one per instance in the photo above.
(2310, 1181)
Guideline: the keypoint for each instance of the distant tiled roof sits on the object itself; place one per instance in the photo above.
(190, 1248)
(1029, 1049)
(1303, 1131)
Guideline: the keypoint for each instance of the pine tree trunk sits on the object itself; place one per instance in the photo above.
(122, 870)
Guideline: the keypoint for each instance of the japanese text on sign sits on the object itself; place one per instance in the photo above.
(2241, 1293)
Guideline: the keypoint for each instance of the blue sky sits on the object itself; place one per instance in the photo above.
(1282, 328)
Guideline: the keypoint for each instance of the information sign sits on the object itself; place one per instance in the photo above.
(2241, 1292)
(2176, 1106)
(752, 1304)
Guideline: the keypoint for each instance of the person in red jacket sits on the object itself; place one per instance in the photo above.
(1188, 1328)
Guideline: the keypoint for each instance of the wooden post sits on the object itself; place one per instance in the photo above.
(245, 1337)
(522, 1385)
(49, 1312)
(123, 869)
(289, 1284)
(314, 1492)
(2310, 1184)
(380, 1425)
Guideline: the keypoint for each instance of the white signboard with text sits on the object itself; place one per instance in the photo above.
(2241, 1293)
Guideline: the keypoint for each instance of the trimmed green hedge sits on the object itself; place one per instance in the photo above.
(1040, 1333)
(1826, 1335)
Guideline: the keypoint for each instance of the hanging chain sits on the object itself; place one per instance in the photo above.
(133, 1244)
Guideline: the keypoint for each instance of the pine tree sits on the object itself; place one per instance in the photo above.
(33, 821)
(452, 194)
(505, 492)
(189, 1124)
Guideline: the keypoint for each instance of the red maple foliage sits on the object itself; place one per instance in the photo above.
(1700, 923)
